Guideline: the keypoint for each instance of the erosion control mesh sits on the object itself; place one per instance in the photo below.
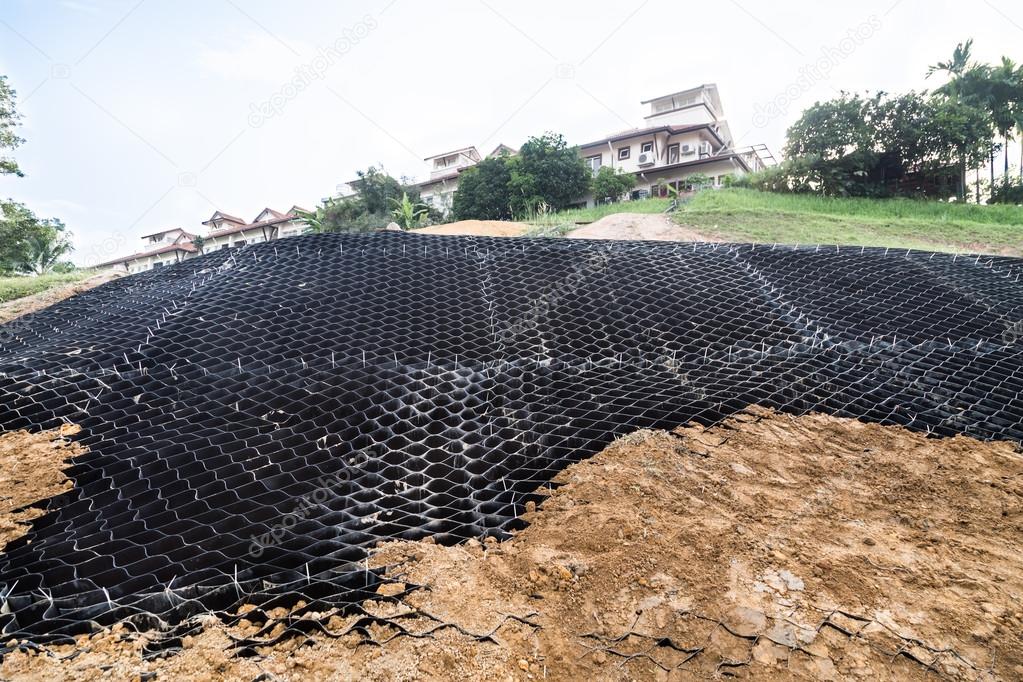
(258, 418)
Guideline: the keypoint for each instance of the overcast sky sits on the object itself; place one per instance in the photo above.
(147, 115)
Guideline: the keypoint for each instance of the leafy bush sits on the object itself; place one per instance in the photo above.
(547, 170)
(484, 191)
(611, 185)
(1008, 191)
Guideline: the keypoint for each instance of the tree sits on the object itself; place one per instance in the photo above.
(484, 191)
(28, 244)
(611, 185)
(45, 247)
(199, 242)
(878, 145)
(369, 209)
(9, 118)
(546, 170)
(406, 213)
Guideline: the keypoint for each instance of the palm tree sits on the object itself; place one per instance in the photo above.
(1007, 102)
(970, 84)
(44, 248)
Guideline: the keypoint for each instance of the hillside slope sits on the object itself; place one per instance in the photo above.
(750, 216)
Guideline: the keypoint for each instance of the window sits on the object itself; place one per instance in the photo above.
(646, 147)
(158, 264)
(623, 153)
(594, 163)
(673, 153)
(240, 242)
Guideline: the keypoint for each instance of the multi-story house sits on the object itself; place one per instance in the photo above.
(158, 249)
(685, 133)
(225, 231)
(438, 191)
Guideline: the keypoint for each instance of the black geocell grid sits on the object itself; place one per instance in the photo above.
(404, 386)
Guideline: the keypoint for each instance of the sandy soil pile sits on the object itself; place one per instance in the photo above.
(479, 228)
(44, 299)
(31, 470)
(642, 226)
(768, 546)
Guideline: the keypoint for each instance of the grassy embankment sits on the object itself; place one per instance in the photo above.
(750, 216)
(16, 287)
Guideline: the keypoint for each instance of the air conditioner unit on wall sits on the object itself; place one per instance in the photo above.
(705, 148)
(687, 149)
(647, 159)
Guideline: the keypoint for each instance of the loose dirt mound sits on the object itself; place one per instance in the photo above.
(479, 228)
(31, 470)
(637, 226)
(769, 546)
(30, 304)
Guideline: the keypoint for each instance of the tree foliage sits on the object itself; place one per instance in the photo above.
(484, 191)
(9, 122)
(407, 213)
(918, 144)
(369, 209)
(30, 245)
(611, 184)
(546, 171)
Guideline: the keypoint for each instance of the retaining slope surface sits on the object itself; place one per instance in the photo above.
(257, 418)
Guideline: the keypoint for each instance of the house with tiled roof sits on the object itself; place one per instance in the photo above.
(438, 191)
(684, 134)
(224, 231)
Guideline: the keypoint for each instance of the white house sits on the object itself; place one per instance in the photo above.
(685, 133)
(438, 191)
(159, 249)
(224, 231)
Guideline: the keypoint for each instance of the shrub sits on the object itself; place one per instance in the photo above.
(611, 185)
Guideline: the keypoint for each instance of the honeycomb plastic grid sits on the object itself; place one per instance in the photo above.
(257, 418)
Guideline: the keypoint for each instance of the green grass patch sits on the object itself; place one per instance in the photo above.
(17, 287)
(748, 215)
(559, 224)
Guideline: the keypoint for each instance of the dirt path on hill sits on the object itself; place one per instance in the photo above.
(35, 302)
(769, 546)
(638, 226)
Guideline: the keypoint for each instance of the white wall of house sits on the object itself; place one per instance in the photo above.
(254, 235)
(635, 154)
(649, 181)
(439, 195)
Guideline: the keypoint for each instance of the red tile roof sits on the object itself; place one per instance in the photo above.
(187, 247)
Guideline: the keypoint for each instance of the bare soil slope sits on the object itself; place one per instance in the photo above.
(31, 470)
(479, 228)
(638, 226)
(768, 546)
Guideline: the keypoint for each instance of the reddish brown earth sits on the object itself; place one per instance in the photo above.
(768, 546)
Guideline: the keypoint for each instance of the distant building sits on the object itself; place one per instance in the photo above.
(685, 133)
(439, 191)
(224, 231)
